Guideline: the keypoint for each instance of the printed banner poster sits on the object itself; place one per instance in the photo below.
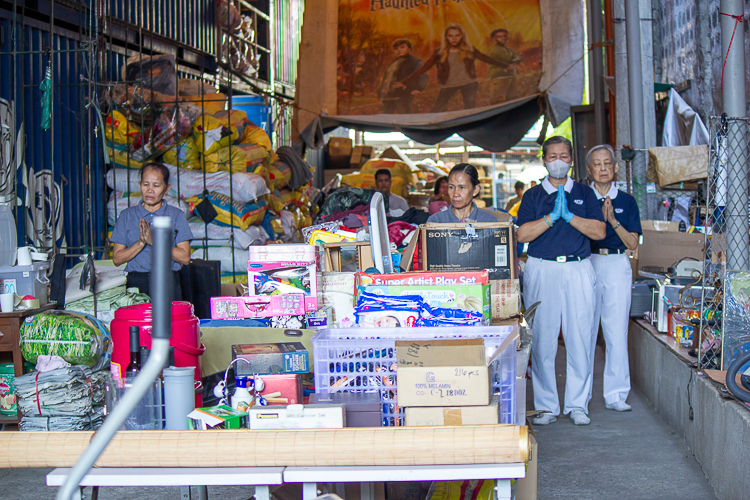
(432, 56)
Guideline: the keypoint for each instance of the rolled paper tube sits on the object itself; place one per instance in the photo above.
(272, 395)
(358, 446)
(277, 400)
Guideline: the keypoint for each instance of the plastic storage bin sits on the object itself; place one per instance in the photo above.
(364, 360)
(26, 280)
(8, 231)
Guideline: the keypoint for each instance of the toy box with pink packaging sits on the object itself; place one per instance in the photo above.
(285, 269)
(257, 306)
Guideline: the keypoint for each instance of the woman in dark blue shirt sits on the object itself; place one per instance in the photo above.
(557, 219)
(613, 274)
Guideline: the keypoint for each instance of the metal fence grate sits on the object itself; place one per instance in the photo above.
(639, 179)
(725, 318)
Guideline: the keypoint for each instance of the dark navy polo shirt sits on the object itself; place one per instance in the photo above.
(626, 213)
(561, 239)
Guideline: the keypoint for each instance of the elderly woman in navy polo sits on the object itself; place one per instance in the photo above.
(558, 218)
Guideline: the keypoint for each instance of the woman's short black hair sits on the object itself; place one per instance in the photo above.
(438, 183)
(468, 169)
(164, 171)
(519, 185)
(556, 139)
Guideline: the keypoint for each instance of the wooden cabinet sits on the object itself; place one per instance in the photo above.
(10, 326)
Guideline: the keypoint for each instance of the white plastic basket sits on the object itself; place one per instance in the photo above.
(364, 360)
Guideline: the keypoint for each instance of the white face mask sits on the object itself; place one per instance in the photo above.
(557, 168)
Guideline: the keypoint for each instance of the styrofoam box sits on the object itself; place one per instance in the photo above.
(364, 360)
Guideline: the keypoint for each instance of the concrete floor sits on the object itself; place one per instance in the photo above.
(630, 455)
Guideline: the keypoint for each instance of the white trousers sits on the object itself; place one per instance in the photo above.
(566, 290)
(612, 307)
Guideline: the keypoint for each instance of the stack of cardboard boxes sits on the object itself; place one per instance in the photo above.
(344, 158)
(445, 382)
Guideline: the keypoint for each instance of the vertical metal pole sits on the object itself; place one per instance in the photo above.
(635, 76)
(595, 37)
(733, 94)
(635, 96)
(494, 180)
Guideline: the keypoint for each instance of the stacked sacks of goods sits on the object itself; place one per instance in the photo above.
(225, 161)
(401, 175)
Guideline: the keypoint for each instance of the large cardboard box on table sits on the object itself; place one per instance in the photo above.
(454, 415)
(470, 247)
(663, 245)
(450, 372)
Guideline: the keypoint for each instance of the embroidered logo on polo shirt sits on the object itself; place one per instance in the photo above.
(619, 210)
(578, 202)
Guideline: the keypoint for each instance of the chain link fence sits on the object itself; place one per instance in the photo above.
(725, 317)
(637, 176)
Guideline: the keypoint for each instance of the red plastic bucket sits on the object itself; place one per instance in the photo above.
(185, 336)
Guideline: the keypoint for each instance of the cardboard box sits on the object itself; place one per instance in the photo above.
(283, 389)
(442, 373)
(338, 293)
(217, 417)
(467, 297)
(347, 256)
(526, 487)
(505, 299)
(486, 245)
(331, 416)
(660, 225)
(360, 154)
(284, 357)
(454, 415)
(425, 278)
(661, 249)
(362, 408)
(257, 306)
(339, 147)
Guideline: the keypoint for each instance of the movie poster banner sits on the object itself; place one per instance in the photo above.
(435, 56)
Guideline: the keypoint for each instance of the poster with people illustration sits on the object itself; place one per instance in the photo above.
(435, 56)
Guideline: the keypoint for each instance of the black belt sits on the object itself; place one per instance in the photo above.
(609, 251)
(563, 258)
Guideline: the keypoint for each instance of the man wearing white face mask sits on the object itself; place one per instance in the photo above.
(558, 219)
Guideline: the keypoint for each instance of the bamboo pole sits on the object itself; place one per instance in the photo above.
(406, 446)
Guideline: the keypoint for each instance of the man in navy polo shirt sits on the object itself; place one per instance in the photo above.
(558, 218)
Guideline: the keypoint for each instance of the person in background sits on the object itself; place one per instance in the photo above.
(532, 184)
(398, 100)
(504, 77)
(518, 188)
(613, 274)
(463, 187)
(456, 71)
(440, 200)
(558, 219)
(383, 184)
(132, 233)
